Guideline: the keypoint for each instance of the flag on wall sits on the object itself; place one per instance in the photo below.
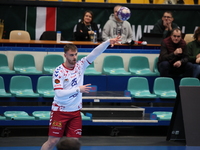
(40, 19)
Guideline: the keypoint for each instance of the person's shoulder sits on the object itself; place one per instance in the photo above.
(158, 22)
(192, 43)
(126, 22)
(167, 39)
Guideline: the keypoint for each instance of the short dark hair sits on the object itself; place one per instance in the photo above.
(196, 33)
(71, 47)
(68, 143)
(169, 12)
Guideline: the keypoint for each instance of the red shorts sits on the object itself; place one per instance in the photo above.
(65, 123)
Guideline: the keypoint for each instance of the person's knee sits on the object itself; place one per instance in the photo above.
(52, 141)
(164, 64)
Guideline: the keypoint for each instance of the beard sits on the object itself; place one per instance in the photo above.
(71, 62)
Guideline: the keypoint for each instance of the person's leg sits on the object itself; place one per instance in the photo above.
(74, 126)
(188, 70)
(56, 129)
(164, 68)
(196, 72)
(50, 143)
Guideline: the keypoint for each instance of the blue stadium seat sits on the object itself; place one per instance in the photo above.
(139, 88)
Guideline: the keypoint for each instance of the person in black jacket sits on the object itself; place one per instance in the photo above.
(165, 25)
(86, 28)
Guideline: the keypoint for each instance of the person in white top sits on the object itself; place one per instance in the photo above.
(68, 86)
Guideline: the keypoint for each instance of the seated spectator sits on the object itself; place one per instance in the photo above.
(173, 58)
(194, 52)
(114, 27)
(86, 28)
(165, 25)
(68, 143)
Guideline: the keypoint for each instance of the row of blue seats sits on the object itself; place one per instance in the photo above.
(36, 115)
(138, 87)
(112, 65)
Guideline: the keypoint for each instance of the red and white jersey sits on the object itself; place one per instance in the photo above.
(70, 80)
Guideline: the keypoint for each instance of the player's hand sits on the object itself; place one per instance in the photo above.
(85, 88)
(177, 64)
(115, 41)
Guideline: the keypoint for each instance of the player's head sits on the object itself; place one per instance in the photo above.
(197, 34)
(87, 17)
(167, 16)
(70, 53)
(116, 8)
(176, 35)
(68, 143)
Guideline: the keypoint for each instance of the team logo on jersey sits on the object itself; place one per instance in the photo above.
(57, 81)
(74, 82)
(78, 131)
(57, 124)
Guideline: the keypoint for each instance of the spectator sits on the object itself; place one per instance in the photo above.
(86, 28)
(173, 58)
(194, 52)
(165, 25)
(114, 27)
(68, 144)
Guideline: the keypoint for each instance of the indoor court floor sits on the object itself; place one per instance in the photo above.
(100, 143)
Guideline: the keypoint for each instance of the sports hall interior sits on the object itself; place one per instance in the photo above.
(112, 117)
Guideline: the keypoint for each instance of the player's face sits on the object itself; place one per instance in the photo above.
(71, 57)
(87, 18)
(176, 36)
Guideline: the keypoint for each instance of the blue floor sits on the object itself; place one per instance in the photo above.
(114, 148)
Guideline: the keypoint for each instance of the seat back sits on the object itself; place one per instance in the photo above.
(158, 1)
(188, 2)
(4, 68)
(3, 92)
(163, 84)
(18, 115)
(42, 115)
(189, 38)
(49, 35)
(137, 84)
(19, 84)
(95, 1)
(44, 84)
(189, 81)
(2, 87)
(138, 63)
(72, 0)
(140, 1)
(112, 62)
(3, 61)
(51, 61)
(19, 35)
(23, 62)
(116, 1)
(155, 66)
